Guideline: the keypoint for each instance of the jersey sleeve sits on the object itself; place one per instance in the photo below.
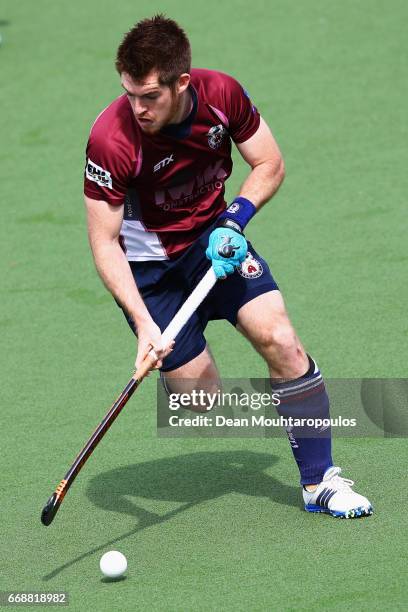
(108, 170)
(243, 116)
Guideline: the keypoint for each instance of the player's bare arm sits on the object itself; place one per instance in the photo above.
(104, 223)
(262, 153)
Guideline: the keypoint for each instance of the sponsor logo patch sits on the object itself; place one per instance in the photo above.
(191, 188)
(164, 162)
(216, 135)
(251, 267)
(97, 174)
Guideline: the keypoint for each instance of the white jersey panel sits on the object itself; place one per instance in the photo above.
(141, 245)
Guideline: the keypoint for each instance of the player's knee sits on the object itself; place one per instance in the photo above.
(281, 338)
(281, 347)
(198, 394)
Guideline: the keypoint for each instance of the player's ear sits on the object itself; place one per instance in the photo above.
(182, 82)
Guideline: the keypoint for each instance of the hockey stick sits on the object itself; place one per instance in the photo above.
(180, 319)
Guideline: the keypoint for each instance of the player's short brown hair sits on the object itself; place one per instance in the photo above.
(157, 43)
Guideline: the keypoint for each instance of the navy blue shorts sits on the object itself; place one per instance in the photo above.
(165, 285)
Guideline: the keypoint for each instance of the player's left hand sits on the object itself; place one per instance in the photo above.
(226, 249)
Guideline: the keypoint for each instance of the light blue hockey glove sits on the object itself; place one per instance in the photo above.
(227, 249)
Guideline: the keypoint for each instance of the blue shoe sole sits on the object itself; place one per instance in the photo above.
(354, 513)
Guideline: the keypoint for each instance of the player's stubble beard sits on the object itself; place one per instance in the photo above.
(177, 102)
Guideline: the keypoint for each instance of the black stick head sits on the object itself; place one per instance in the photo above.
(50, 509)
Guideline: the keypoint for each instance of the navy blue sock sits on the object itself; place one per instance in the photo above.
(306, 398)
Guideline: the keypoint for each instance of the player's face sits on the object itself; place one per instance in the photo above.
(153, 104)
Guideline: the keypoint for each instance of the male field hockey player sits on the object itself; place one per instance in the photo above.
(157, 160)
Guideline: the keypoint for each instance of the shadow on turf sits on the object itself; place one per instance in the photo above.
(187, 480)
(111, 580)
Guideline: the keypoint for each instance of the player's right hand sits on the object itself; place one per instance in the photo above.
(226, 249)
(149, 337)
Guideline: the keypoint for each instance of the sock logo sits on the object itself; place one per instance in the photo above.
(291, 438)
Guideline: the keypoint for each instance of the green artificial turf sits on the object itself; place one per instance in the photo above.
(206, 524)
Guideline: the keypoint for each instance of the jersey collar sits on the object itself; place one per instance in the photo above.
(183, 129)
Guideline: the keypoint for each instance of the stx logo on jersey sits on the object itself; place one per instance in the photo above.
(164, 162)
(216, 135)
(98, 175)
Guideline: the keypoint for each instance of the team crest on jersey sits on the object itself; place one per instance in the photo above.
(97, 174)
(216, 135)
(251, 267)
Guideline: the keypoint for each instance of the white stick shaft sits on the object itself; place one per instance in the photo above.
(189, 307)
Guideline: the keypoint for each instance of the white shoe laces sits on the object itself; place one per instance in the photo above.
(340, 483)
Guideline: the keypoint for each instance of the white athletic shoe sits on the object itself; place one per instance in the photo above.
(335, 496)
